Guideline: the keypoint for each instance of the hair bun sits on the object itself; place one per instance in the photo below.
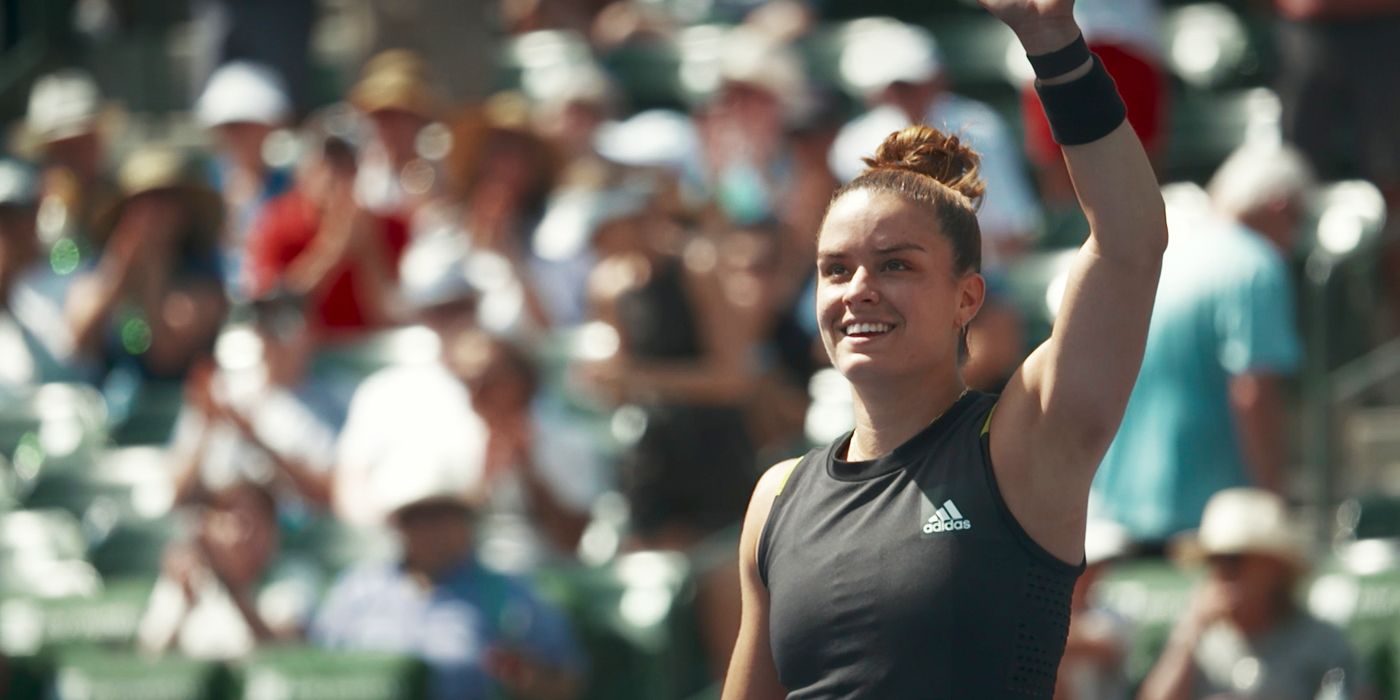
(927, 151)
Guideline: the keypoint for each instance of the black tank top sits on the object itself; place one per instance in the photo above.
(906, 577)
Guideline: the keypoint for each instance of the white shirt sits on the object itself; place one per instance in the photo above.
(1009, 207)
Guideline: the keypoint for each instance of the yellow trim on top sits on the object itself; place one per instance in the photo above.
(782, 482)
(987, 424)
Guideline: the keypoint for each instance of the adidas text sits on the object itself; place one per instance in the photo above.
(940, 526)
(946, 518)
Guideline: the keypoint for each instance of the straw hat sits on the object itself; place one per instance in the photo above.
(1246, 521)
(396, 80)
(159, 168)
(62, 105)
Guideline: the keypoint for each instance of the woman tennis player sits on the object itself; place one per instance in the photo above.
(931, 552)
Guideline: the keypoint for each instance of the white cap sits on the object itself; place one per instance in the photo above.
(435, 270)
(881, 51)
(417, 473)
(752, 58)
(242, 91)
(1104, 540)
(575, 215)
(653, 138)
(62, 105)
(1249, 521)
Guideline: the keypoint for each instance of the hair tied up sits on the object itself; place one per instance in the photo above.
(924, 150)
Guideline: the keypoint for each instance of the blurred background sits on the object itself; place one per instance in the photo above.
(431, 348)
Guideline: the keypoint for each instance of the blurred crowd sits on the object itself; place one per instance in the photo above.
(495, 332)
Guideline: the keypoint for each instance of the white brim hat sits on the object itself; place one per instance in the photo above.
(881, 52)
(1247, 521)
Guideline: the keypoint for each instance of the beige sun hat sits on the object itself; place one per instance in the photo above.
(397, 80)
(1246, 521)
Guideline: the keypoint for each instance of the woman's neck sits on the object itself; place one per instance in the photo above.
(887, 416)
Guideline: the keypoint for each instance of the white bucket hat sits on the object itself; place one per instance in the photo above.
(420, 474)
(62, 105)
(881, 51)
(242, 91)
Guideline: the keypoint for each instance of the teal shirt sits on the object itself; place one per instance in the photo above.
(1224, 308)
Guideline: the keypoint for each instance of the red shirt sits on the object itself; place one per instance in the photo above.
(285, 230)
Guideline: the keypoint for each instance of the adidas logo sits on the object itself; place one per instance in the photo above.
(946, 519)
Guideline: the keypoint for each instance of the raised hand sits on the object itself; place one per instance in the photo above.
(1041, 25)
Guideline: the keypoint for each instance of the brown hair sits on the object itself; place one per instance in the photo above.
(937, 170)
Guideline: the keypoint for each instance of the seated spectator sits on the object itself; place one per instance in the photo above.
(153, 303)
(267, 424)
(315, 241)
(1096, 651)
(399, 100)
(480, 632)
(243, 104)
(1244, 635)
(34, 341)
(225, 591)
(542, 472)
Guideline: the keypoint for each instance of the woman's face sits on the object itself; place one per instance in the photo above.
(888, 301)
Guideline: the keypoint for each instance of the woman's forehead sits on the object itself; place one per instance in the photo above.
(862, 218)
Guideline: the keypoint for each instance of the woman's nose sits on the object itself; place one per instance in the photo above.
(861, 288)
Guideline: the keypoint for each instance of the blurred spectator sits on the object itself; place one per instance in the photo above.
(226, 591)
(1207, 411)
(35, 343)
(242, 105)
(1244, 635)
(153, 302)
(267, 424)
(899, 70)
(542, 471)
(685, 363)
(564, 243)
(569, 116)
(417, 413)
(317, 242)
(1096, 651)
(744, 128)
(66, 129)
(1126, 36)
(481, 633)
(400, 102)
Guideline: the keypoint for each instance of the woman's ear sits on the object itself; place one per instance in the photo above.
(972, 292)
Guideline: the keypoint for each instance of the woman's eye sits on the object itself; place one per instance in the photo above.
(835, 270)
(896, 265)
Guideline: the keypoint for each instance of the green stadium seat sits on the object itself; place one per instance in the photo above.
(635, 618)
(98, 674)
(134, 546)
(1151, 594)
(1028, 284)
(305, 673)
(1206, 126)
(1367, 607)
(29, 625)
(975, 50)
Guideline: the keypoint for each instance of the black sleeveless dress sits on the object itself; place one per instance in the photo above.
(907, 576)
(694, 464)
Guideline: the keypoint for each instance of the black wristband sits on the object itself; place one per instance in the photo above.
(1083, 110)
(1057, 63)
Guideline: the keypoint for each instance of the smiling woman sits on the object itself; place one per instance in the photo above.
(931, 552)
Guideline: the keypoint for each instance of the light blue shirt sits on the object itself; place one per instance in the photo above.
(451, 626)
(1224, 308)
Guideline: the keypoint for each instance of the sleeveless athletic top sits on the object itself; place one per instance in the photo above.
(906, 577)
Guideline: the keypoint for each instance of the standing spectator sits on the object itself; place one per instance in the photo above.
(899, 71)
(1207, 411)
(317, 242)
(153, 303)
(1244, 635)
(480, 632)
(242, 105)
(35, 343)
(226, 591)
